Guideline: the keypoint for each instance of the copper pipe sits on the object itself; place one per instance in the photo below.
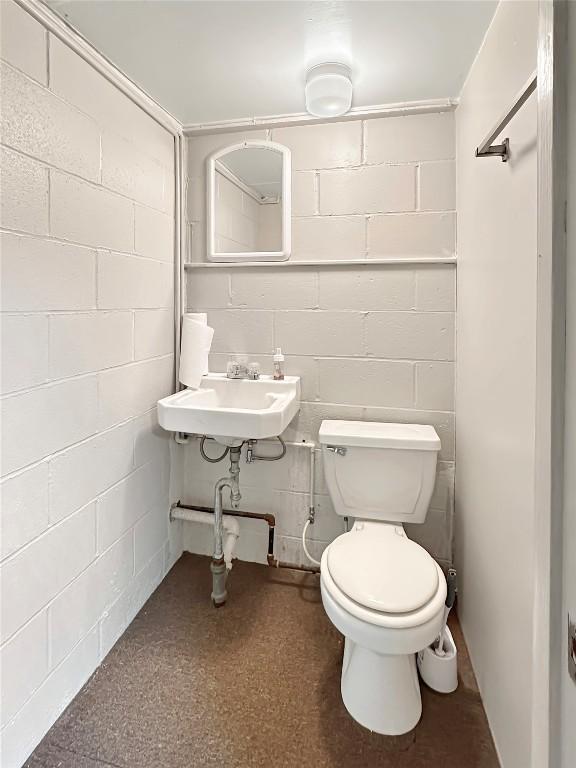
(267, 517)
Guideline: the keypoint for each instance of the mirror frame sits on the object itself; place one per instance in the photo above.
(282, 255)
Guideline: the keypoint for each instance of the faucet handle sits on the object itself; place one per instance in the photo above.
(235, 369)
(253, 371)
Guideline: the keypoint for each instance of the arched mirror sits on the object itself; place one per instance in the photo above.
(248, 196)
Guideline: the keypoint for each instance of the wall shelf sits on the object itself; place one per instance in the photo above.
(357, 263)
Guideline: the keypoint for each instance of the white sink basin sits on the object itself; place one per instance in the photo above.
(232, 410)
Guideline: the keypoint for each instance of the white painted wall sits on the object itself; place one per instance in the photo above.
(87, 300)
(370, 342)
(495, 379)
(568, 687)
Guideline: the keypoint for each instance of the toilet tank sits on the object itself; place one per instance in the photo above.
(379, 471)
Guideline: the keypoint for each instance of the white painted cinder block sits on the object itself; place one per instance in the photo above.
(434, 534)
(410, 138)
(411, 335)
(275, 289)
(327, 524)
(436, 289)
(24, 661)
(132, 282)
(435, 386)
(131, 390)
(130, 171)
(154, 234)
(319, 333)
(23, 42)
(24, 199)
(367, 289)
(81, 473)
(304, 193)
(22, 734)
(332, 145)
(23, 507)
(44, 420)
(293, 513)
(241, 331)
(58, 466)
(150, 533)
(372, 189)
(36, 122)
(78, 83)
(208, 290)
(328, 237)
(289, 550)
(129, 500)
(85, 342)
(443, 496)
(24, 350)
(437, 186)
(367, 382)
(416, 234)
(42, 275)
(110, 223)
(153, 333)
(78, 607)
(36, 574)
(151, 442)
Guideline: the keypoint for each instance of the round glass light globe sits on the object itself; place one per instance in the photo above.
(328, 90)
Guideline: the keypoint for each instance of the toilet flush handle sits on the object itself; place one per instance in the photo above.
(340, 450)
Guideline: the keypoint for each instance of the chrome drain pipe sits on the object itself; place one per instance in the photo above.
(218, 564)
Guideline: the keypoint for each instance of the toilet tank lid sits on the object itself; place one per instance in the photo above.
(375, 434)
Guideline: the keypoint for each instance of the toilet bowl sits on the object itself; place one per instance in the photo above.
(381, 590)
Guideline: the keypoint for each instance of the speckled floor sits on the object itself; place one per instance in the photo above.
(255, 683)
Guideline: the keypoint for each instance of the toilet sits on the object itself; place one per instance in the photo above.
(381, 590)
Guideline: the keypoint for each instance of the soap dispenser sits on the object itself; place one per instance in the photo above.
(278, 365)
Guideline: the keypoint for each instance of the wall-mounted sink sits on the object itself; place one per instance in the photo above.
(232, 410)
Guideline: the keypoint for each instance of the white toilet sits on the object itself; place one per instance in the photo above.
(381, 590)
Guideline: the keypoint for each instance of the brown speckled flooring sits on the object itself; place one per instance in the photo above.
(256, 683)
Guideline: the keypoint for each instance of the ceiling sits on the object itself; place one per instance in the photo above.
(214, 60)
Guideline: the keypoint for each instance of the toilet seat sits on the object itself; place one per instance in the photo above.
(380, 618)
(380, 568)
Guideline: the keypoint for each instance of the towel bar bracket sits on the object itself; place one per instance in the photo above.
(496, 150)
(487, 148)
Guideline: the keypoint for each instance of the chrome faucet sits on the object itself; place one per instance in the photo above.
(237, 369)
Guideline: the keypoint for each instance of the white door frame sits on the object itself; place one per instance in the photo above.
(550, 381)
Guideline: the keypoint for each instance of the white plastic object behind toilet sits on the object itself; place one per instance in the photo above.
(381, 590)
(440, 672)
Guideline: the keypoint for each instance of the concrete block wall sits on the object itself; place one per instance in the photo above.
(87, 349)
(371, 341)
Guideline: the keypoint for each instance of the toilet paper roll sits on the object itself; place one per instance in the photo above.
(194, 348)
(199, 317)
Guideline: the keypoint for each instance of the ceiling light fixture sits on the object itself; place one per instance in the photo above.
(328, 90)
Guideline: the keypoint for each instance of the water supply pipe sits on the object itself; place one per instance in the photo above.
(216, 514)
